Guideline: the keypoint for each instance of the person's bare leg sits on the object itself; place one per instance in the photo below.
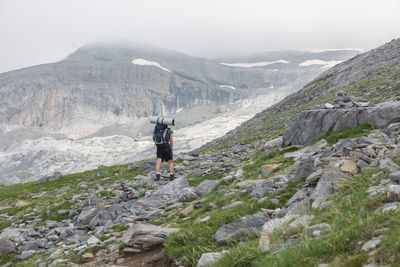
(171, 168)
(158, 167)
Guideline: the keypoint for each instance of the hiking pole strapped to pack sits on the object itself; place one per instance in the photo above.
(162, 120)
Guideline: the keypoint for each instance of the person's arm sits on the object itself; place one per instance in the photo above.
(171, 142)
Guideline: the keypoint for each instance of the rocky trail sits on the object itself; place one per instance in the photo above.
(247, 203)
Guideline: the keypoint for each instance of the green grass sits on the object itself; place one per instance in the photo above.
(196, 238)
(337, 247)
(251, 171)
(354, 132)
(119, 227)
(103, 238)
(4, 225)
(287, 192)
(194, 180)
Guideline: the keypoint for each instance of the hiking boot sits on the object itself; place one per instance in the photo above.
(171, 176)
(158, 176)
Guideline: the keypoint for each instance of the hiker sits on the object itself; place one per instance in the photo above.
(163, 138)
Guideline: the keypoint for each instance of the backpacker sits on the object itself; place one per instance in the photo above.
(161, 134)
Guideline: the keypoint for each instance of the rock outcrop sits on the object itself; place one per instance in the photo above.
(311, 124)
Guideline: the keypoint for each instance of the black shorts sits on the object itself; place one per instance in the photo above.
(164, 152)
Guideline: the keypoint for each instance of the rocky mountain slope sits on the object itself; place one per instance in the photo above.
(332, 199)
(103, 85)
(373, 75)
(334, 202)
(103, 92)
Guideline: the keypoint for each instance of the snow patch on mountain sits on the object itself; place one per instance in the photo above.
(255, 64)
(325, 64)
(144, 62)
(227, 86)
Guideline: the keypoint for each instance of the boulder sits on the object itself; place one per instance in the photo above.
(317, 229)
(274, 224)
(388, 166)
(30, 245)
(267, 169)
(277, 142)
(299, 207)
(206, 187)
(186, 211)
(393, 193)
(207, 259)
(14, 234)
(87, 214)
(306, 168)
(314, 177)
(311, 124)
(349, 166)
(6, 246)
(56, 176)
(264, 243)
(93, 241)
(393, 129)
(302, 221)
(371, 244)
(146, 235)
(249, 225)
(394, 176)
(325, 187)
(172, 190)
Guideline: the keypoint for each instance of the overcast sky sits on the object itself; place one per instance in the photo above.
(40, 31)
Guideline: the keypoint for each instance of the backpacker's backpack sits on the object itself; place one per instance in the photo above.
(161, 134)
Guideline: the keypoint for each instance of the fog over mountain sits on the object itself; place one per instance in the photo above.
(43, 31)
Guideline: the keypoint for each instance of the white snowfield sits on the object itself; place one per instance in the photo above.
(255, 64)
(227, 86)
(43, 156)
(144, 62)
(325, 64)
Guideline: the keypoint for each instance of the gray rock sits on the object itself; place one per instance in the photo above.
(146, 235)
(277, 142)
(56, 176)
(207, 259)
(30, 245)
(232, 205)
(174, 189)
(249, 225)
(321, 228)
(206, 187)
(393, 193)
(393, 129)
(394, 176)
(371, 244)
(314, 177)
(87, 214)
(306, 168)
(149, 165)
(14, 234)
(311, 124)
(6, 246)
(274, 224)
(325, 187)
(277, 181)
(299, 207)
(93, 241)
(25, 254)
(388, 166)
